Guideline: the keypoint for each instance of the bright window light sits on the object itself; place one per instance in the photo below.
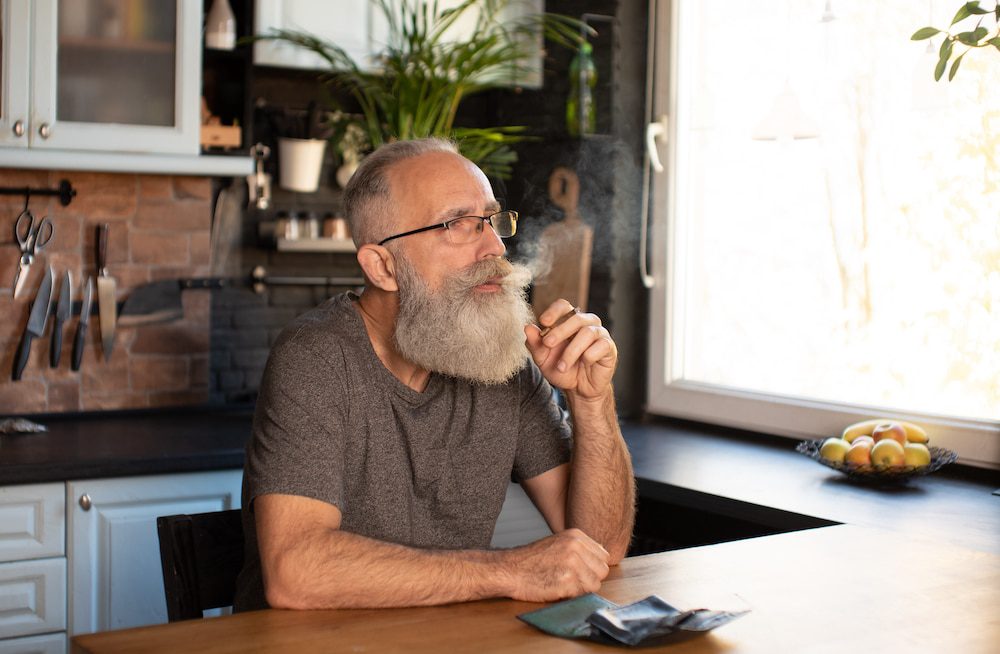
(835, 218)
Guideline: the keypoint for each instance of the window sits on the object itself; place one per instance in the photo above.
(826, 234)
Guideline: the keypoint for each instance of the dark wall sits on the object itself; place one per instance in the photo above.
(608, 163)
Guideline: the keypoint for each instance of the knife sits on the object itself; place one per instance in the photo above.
(80, 340)
(105, 293)
(36, 324)
(63, 310)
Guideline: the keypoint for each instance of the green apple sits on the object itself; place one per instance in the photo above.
(888, 453)
(834, 449)
(916, 455)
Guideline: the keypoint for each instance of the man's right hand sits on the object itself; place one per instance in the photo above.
(567, 564)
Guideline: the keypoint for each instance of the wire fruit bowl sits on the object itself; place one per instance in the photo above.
(940, 457)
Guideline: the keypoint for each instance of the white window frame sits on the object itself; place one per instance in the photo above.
(977, 442)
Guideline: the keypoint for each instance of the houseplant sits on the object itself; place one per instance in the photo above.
(424, 73)
(980, 36)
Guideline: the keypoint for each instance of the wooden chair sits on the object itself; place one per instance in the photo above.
(201, 555)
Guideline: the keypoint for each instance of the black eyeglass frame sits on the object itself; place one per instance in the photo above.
(445, 225)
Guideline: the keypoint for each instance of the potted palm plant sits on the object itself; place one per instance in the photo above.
(424, 72)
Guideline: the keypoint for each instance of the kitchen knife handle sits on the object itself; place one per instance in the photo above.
(102, 247)
(21, 358)
(55, 349)
(79, 342)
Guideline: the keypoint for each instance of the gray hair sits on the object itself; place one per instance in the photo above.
(366, 198)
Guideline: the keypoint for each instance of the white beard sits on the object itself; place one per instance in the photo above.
(460, 332)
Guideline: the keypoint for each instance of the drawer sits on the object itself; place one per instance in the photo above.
(32, 521)
(32, 597)
(47, 644)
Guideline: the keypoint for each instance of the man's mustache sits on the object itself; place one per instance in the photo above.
(497, 270)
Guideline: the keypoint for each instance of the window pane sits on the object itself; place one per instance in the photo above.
(838, 212)
(117, 62)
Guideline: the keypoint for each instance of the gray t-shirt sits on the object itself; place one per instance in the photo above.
(426, 469)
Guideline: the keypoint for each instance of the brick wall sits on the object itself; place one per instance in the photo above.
(159, 229)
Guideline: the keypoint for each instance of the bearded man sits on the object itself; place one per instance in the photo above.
(389, 424)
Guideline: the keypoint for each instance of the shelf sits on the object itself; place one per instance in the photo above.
(114, 162)
(117, 46)
(315, 245)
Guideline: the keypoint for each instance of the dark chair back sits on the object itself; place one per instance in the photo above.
(201, 555)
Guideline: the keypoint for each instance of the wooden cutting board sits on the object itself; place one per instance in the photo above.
(566, 246)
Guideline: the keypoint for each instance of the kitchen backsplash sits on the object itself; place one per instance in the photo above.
(159, 229)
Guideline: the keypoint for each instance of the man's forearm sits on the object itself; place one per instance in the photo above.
(330, 568)
(338, 569)
(601, 495)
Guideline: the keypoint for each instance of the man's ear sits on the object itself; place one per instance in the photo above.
(379, 266)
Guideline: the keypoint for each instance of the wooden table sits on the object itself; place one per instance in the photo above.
(835, 589)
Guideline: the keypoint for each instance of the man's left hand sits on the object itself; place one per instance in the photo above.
(577, 355)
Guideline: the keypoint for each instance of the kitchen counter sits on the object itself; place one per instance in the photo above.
(125, 444)
(757, 477)
(743, 475)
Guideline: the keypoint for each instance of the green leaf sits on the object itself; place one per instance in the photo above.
(967, 38)
(944, 52)
(974, 8)
(924, 33)
(939, 69)
(979, 33)
(962, 14)
(995, 42)
(954, 67)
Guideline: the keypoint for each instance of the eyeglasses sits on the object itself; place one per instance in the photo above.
(467, 229)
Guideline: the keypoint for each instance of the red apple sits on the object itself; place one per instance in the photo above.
(864, 439)
(859, 453)
(892, 430)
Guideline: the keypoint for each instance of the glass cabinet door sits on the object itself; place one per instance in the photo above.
(117, 75)
(14, 66)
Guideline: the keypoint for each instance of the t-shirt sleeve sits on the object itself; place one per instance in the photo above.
(297, 446)
(544, 435)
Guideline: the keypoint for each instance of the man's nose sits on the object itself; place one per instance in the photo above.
(490, 243)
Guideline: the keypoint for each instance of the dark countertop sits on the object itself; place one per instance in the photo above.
(726, 471)
(86, 446)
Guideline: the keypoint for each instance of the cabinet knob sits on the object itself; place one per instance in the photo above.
(85, 502)
(44, 131)
(19, 128)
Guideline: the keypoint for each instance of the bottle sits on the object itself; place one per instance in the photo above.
(581, 117)
(220, 26)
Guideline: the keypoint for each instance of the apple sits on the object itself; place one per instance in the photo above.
(834, 449)
(888, 452)
(864, 439)
(860, 452)
(916, 455)
(892, 430)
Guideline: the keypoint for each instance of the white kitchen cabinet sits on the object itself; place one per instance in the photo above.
(359, 27)
(107, 85)
(47, 644)
(14, 72)
(348, 23)
(32, 597)
(32, 567)
(115, 578)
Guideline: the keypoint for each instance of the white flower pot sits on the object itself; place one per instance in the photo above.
(300, 161)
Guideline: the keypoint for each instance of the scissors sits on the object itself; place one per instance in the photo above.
(31, 239)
